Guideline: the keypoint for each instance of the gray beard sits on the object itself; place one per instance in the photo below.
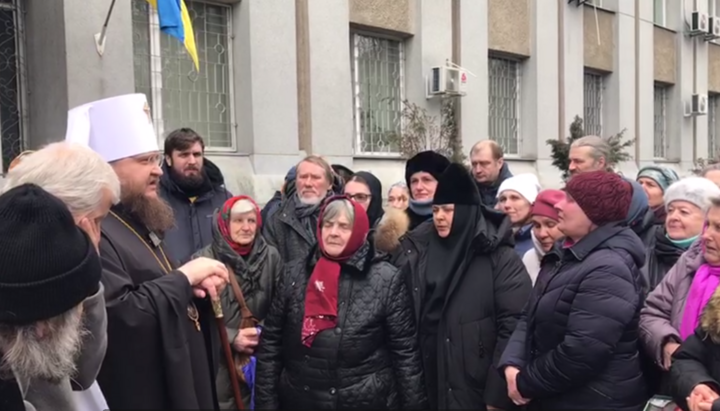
(48, 355)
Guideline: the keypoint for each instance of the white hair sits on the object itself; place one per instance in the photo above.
(74, 173)
(242, 206)
(337, 208)
(45, 350)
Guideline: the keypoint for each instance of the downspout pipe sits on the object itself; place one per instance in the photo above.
(637, 83)
(561, 69)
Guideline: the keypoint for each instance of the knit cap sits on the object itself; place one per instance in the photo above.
(694, 190)
(663, 176)
(544, 205)
(603, 196)
(527, 185)
(48, 265)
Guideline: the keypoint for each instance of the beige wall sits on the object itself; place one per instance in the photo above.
(598, 52)
(390, 15)
(714, 68)
(509, 26)
(664, 55)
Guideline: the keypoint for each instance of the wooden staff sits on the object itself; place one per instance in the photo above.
(217, 308)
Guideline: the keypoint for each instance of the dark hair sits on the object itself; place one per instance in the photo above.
(182, 139)
(359, 179)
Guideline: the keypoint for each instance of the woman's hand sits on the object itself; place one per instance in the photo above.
(701, 398)
(511, 378)
(246, 340)
(668, 351)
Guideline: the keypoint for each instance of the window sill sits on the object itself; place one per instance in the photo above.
(665, 161)
(600, 8)
(662, 27)
(379, 156)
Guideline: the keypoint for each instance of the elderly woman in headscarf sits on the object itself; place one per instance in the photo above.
(365, 189)
(655, 180)
(340, 334)
(516, 196)
(545, 231)
(255, 269)
(398, 196)
(669, 314)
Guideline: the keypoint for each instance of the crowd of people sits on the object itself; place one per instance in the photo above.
(134, 280)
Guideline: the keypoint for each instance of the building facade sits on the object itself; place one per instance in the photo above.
(283, 78)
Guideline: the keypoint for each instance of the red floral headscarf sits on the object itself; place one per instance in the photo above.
(223, 222)
(321, 296)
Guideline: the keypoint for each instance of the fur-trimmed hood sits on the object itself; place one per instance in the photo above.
(393, 225)
(710, 320)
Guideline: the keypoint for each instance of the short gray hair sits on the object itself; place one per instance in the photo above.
(600, 147)
(74, 173)
(337, 208)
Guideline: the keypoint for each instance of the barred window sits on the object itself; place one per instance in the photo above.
(12, 77)
(504, 108)
(178, 94)
(593, 104)
(378, 91)
(713, 107)
(660, 142)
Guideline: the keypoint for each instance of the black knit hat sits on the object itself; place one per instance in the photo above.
(455, 186)
(428, 161)
(47, 264)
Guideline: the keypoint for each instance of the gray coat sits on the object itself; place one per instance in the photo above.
(662, 313)
(45, 396)
(285, 232)
(258, 276)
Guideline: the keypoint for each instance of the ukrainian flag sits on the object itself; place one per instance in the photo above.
(175, 21)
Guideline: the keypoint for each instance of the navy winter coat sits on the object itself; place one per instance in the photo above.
(577, 343)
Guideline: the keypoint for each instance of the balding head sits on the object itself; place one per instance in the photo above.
(486, 160)
(589, 153)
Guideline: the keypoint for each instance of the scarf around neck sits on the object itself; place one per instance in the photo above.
(306, 215)
(321, 294)
(422, 208)
(706, 280)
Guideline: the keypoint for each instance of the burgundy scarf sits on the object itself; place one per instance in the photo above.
(321, 295)
(223, 222)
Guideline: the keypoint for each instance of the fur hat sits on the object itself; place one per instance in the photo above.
(455, 186)
(694, 190)
(426, 161)
(604, 196)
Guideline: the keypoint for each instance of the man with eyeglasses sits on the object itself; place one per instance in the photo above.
(162, 341)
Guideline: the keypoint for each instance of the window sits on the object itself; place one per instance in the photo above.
(180, 96)
(12, 77)
(660, 142)
(504, 109)
(713, 107)
(378, 91)
(593, 103)
(659, 12)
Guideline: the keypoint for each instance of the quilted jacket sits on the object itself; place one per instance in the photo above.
(371, 360)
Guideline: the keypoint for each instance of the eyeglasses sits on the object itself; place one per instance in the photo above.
(360, 197)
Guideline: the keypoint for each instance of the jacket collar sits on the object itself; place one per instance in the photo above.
(580, 250)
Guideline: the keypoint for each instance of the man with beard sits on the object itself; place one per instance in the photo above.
(50, 268)
(194, 187)
(162, 345)
(292, 228)
(88, 186)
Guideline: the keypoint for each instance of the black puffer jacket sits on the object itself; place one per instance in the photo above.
(661, 257)
(577, 343)
(370, 361)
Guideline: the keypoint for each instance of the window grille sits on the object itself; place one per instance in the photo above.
(12, 81)
(178, 94)
(593, 96)
(660, 142)
(504, 108)
(378, 91)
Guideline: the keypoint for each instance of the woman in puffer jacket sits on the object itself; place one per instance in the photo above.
(341, 333)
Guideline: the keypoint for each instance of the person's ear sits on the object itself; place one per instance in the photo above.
(91, 229)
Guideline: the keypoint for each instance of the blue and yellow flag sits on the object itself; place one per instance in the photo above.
(175, 21)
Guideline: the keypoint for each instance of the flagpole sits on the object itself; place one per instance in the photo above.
(100, 37)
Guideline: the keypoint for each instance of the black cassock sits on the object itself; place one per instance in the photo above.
(156, 358)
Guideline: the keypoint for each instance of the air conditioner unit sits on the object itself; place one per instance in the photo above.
(697, 106)
(713, 28)
(447, 81)
(699, 23)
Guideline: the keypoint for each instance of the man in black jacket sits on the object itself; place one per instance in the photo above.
(194, 187)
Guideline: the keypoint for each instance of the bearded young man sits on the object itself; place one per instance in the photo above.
(194, 187)
(162, 342)
(50, 270)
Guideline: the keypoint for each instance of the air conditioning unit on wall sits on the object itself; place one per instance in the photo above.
(697, 106)
(699, 24)
(447, 81)
(713, 29)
